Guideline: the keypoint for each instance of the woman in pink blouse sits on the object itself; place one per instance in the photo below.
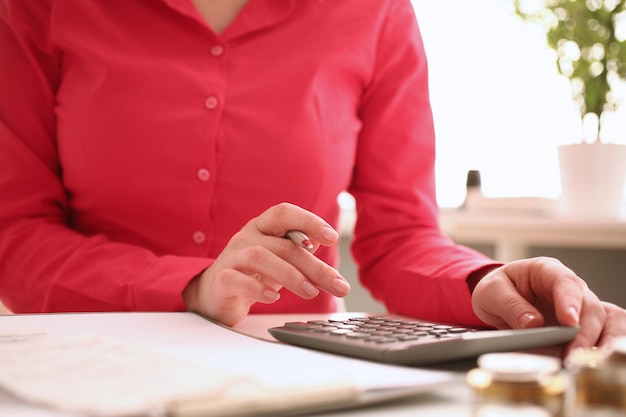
(153, 154)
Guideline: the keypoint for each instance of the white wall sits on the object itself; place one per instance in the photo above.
(499, 104)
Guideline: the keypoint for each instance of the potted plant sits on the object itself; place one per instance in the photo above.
(589, 39)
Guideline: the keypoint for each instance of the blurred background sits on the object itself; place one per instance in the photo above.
(499, 103)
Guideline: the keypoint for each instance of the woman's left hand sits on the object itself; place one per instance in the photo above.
(542, 291)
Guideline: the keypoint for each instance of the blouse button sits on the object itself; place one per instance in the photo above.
(217, 50)
(199, 237)
(203, 174)
(211, 103)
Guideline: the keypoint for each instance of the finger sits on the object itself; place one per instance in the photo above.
(236, 284)
(318, 272)
(313, 272)
(279, 260)
(506, 310)
(270, 283)
(231, 293)
(263, 261)
(614, 325)
(593, 321)
(564, 287)
(284, 217)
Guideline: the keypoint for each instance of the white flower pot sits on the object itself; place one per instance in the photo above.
(593, 177)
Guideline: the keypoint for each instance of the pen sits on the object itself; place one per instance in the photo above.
(300, 239)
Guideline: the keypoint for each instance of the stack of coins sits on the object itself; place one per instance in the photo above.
(600, 380)
(507, 384)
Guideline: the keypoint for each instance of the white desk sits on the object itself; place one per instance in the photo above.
(513, 233)
(452, 399)
(193, 338)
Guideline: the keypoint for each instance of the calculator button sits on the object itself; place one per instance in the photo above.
(458, 330)
(407, 337)
(382, 339)
(357, 335)
(339, 332)
(422, 329)
(347, 327)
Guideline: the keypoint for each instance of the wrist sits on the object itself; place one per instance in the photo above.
(474, 278)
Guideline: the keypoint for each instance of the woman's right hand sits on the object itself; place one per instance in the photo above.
(258, 261)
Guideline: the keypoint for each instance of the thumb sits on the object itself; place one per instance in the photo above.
(497, 302)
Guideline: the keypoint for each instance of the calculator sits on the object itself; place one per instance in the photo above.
(405, 341)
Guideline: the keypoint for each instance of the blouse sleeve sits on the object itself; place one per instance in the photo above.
(403, 257)
(44, 265)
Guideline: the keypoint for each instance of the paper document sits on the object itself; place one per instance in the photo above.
(98, 377)
(197, 368)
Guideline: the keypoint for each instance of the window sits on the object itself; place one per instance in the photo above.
(498, 101)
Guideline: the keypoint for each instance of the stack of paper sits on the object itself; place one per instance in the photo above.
(197, 368)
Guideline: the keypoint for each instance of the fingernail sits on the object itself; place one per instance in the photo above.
(329, 233)
(309, 289)
(525, 320)
(270, 295)
(573, 312)
(341, 286)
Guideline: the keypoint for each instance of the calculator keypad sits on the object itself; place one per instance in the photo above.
(380, 329)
